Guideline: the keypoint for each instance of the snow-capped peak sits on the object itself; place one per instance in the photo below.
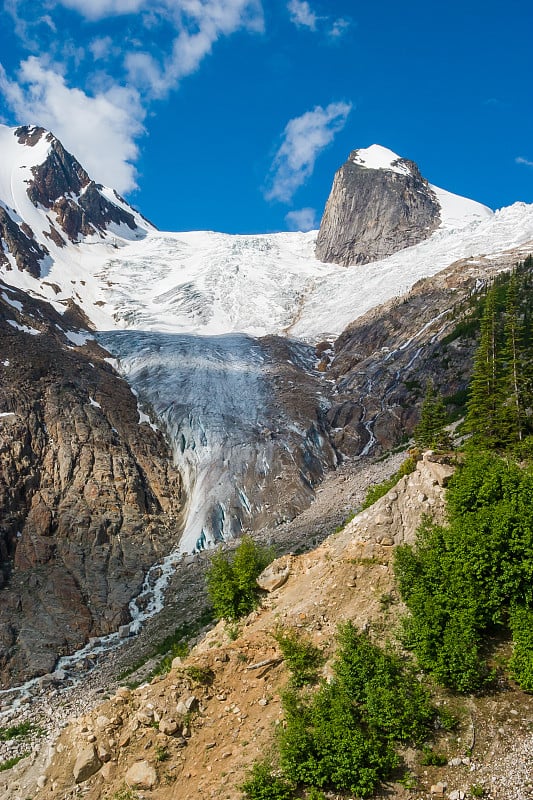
(16, 164)
(378, 157)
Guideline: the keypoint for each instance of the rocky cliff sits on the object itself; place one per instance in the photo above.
(379, 204)
(88, 497)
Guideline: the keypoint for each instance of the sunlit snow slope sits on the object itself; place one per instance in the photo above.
(216, 283)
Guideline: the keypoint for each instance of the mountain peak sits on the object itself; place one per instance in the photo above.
(47, 198)
(379, 204)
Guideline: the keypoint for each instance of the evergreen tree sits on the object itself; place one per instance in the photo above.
(512, 384)
(484, 396)
(430, 431)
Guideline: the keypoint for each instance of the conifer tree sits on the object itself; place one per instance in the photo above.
(484, 397)
(430, 431)
(512, 382)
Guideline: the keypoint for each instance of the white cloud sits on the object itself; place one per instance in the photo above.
(101, 47)
(195, 25)
(339, 28)
(199, 25)
(302, 219)
(304, 138)
(301, 14)
(101, 122)
(525, 161)
(100, 130)
(99, 9)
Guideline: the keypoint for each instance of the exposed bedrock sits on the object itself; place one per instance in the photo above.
(88, 497)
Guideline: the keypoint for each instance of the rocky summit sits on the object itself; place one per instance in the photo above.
(379, 204)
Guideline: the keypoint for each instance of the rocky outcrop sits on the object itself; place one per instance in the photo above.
(71, 205)
(58, 175)
(88, 499)
(374, 212)
(18, 240)
(394, 518)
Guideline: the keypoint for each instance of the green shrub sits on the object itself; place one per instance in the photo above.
(343, 736)
(432, 759)
(392, 699)
(263, 784)
(459, 580)
(11, 762)
(315, 794)
(521, 664)
(125, 793)
(231, 579)
(326, 744)
(200, 675)
(301, 656)
(161, 753)
(20, 731)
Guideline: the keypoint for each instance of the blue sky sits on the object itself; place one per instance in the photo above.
(233, 115)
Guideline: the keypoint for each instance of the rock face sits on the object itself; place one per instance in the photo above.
(19, 241)
(379, 204)
(61, 176)
(88, 499)
(382, 361)
(394, 518)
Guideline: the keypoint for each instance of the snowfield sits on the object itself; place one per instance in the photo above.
(213, 283)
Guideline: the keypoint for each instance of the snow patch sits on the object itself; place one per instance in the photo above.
(13, 303)
(79, 338)
(23, 328)
(378, 157)
(145, 418)
(459, 212)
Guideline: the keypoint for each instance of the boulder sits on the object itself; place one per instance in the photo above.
(168, 726)
(141, 775)
(87, 764)
(275, 575)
